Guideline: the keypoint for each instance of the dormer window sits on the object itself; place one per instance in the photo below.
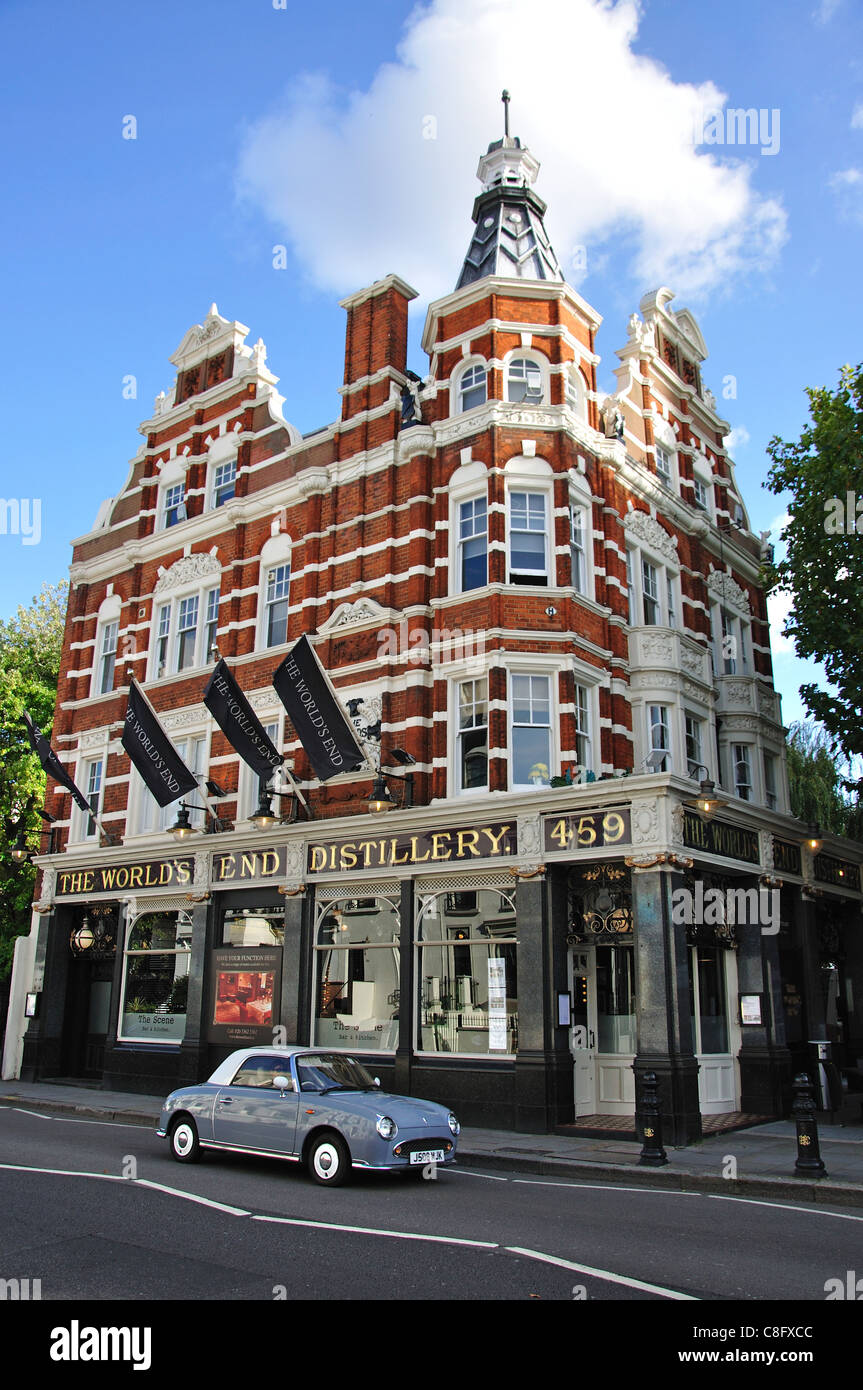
(524, 382)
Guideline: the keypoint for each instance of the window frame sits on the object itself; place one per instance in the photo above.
(665, 724)
(552, 725)
(460, 731)
(540, 365)
(462, 540)
(459, 390)
(542, 579)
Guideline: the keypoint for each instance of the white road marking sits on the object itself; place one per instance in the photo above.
(606, 1187)
(785, 1206)
(64, 1172)
(375, 1231)
(489, 1177)
(74, 1119)
(602, 1274)
(191, 1197)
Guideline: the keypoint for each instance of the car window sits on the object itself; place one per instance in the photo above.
(259, 1071)
(329, 1071)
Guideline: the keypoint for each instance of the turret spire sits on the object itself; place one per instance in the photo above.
(510, 237)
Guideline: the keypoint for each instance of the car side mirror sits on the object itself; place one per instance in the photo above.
(283, 1083)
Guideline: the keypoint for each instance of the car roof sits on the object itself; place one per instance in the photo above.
(227, 1069)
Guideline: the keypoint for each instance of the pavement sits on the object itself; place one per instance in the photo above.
(755, 1162)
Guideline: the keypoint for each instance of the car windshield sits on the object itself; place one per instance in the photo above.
(331, 1072)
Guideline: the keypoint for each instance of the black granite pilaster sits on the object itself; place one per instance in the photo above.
(534, 1058)
(404, 1051)
(43, 1041)
(664, 1026)
(765, 1063)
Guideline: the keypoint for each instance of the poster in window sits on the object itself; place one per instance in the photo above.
(497, 1005)
(244, 1002)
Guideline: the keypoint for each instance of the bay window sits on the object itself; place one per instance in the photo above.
(528, 538)
(742, 771)
(659, 738)
(530, 731)
(472, 735)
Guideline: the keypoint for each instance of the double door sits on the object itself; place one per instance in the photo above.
(602, 1033)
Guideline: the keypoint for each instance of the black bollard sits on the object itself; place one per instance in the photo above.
(647, 1111)
(809, 1161)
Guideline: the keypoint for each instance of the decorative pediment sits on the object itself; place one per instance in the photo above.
(647, 529)
(363, 610)
(186, 570)
(207, 338)
(723, 586)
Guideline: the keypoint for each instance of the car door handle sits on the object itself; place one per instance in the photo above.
(226, 1100)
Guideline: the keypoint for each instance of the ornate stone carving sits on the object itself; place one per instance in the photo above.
(645, 822)
(725, 587)
(677, 822)
(691, 661)
(739, 692)
(180, 718)
(187, 569)
(364, 610)
(295, 858)
(201, 878)
(312, 480)
(530, 836)
(766, 839)
(93, 738)
(657, 647)
(646, 528)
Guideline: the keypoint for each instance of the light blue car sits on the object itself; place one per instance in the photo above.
(309, 1106)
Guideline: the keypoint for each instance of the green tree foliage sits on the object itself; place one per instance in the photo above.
(816, 781)
(823, 568)
(30, 648)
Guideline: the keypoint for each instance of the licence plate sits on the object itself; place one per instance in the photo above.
(428, 1156)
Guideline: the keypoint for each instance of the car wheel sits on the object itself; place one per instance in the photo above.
(185, 1147)
(329, 1161)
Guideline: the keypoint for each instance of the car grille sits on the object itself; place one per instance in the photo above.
(412, 1146)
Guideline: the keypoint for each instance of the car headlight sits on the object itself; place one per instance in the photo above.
(386, 1127)
(453, 1123)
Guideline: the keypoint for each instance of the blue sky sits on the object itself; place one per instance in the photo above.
(304, 126)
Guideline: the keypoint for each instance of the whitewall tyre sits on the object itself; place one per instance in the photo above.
(185, 1147)
(329, 1161)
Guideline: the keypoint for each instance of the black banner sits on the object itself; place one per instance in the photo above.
(320, 723)
(153, 753)
(52, 764)
(239, 723)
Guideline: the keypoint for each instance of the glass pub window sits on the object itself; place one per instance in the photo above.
(467, 978)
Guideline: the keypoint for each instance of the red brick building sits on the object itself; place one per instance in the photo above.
(547, 601)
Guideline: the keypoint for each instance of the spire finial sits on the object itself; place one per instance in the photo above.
(504, 96)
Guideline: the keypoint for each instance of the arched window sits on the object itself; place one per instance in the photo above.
(275, 590)
(472, 387)
(574, 392)
(105, 649)
(524, 383)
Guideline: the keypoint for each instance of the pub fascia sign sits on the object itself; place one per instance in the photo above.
(432, 847)
(720, 837)
(119, 878)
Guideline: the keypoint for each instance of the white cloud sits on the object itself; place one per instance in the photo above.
(738, 438)
(857, 117)
(826, 10)
(778, 608)
(847, 185)
(351, 184)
